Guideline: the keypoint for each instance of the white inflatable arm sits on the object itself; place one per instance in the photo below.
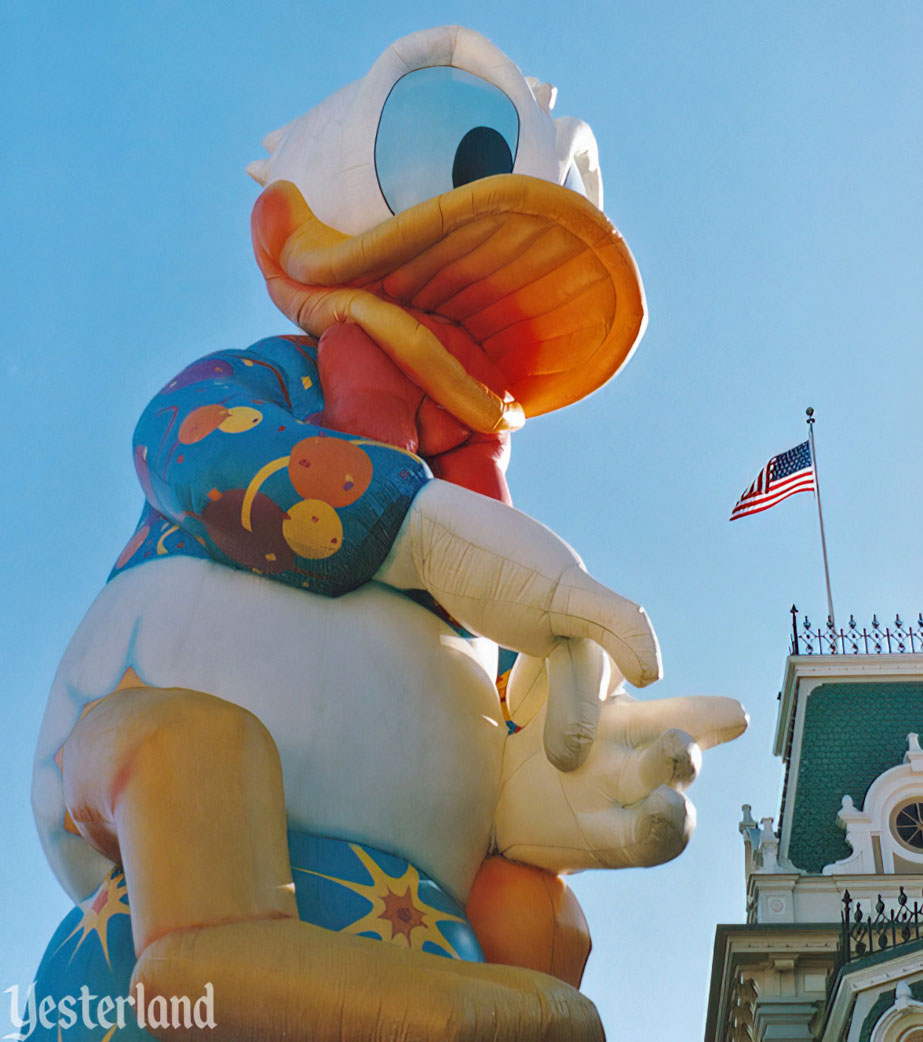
(503, 575)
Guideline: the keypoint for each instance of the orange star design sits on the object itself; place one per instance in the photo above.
(395, 900)
(401, 913)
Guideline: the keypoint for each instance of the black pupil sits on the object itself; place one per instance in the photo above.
(481, 153)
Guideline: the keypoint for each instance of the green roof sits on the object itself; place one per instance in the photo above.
(852, 733)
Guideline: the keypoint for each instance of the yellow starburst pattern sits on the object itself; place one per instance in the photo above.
(398, 913)
(98, 909)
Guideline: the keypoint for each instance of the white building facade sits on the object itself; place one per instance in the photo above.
(832, 949)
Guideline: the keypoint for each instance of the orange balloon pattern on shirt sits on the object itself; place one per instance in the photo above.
(201, 422)
(329, 469)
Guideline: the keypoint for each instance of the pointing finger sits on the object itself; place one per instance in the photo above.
(710, 719)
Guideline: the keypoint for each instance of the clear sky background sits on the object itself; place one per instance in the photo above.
(764, 163)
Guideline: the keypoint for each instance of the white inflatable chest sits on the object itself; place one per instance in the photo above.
(387, 722)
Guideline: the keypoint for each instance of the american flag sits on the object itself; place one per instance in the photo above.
(783, 476)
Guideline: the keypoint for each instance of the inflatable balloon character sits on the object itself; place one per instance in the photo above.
(276, 771)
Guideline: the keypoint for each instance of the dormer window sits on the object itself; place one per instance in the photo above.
(907, 824)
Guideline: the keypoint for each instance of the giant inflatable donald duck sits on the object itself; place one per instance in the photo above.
(276, 769)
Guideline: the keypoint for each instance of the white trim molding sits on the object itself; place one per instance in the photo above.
(870, 831)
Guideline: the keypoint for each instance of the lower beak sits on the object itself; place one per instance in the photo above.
(532, 272)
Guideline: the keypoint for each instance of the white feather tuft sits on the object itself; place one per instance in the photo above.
(259, 170)
(274, 138)
(544, 93)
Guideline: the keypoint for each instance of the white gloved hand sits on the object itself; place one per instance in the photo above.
(625, 804)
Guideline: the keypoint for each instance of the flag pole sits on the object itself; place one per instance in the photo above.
(820, 514)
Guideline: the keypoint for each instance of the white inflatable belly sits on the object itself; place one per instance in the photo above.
(388, 724)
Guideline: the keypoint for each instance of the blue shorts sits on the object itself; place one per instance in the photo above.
(341, 886)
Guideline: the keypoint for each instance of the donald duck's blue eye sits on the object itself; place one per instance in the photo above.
(440, 128)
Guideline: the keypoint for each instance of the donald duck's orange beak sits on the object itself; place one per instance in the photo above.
(532, 272)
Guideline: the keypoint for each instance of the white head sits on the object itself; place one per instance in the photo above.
(345, 154)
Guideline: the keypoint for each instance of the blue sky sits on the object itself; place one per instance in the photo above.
(763, 162)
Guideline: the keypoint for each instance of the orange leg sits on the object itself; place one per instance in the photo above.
(185, 790)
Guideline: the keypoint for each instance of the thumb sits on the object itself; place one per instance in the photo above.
(578, 678)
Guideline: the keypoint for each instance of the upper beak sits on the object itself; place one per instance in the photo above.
(532, 272)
